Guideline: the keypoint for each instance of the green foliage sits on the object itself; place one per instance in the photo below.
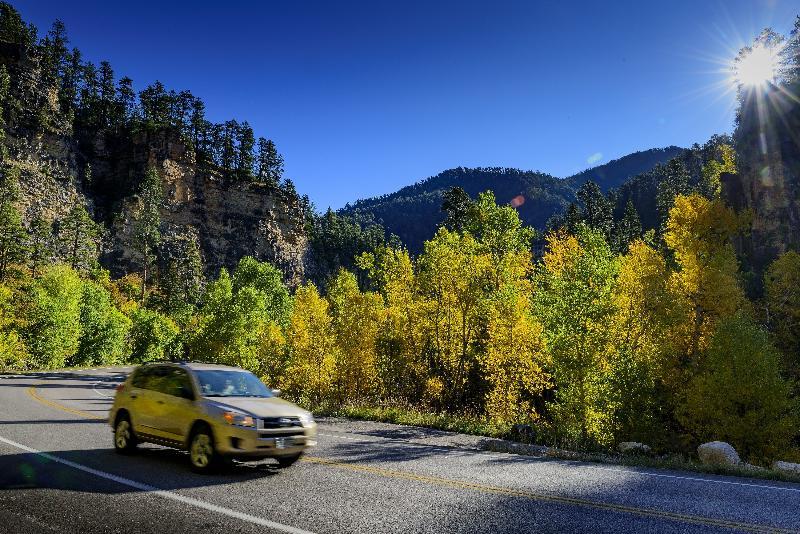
(738, 395)
(573, 299)
(153, 336)
(238, 311)
(104, 329)
(13, 352)
(13, 236)
(267, 283)
(181, 279)
(147, 223)
(336, 240)
(628, 230)
(79, 239)
(782, 284)
(52, 328)
(596, 209)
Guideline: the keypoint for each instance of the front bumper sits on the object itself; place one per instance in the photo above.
(251, 443)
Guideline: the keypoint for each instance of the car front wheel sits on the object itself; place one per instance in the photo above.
(202, 453)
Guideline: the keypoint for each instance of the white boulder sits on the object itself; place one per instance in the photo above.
(718, 453)
(786, 467)
(633, 447)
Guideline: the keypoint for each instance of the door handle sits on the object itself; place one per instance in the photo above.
(160, 402)
(134, 396)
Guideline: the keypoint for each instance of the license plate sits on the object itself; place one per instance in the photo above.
(282, 443)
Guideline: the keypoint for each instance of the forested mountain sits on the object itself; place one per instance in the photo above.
(617, 171)
(414, 212)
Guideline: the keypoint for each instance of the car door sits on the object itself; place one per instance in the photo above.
(177, 412)
(140, 402)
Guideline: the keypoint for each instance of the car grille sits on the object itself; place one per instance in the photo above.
(280, 434)
(271, 423)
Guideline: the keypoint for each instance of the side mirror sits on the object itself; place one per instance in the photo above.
(276, 392)
(187, 393)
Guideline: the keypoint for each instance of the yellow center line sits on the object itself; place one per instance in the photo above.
(645, 512)
(52, 404)
(519, 493)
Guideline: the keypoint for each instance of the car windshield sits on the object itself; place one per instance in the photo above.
(224, 383)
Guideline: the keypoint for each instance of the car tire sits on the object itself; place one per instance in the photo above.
(202, 454)
(124, 438)
(287, 461)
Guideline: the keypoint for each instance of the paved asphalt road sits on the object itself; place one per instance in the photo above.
(58, 473)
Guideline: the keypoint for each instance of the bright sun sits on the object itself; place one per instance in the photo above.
(757, 66)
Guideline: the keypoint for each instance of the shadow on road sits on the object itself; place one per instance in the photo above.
(166, 469)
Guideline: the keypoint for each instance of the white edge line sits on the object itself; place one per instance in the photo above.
(162, 493)
(94, 388)
(634, 471)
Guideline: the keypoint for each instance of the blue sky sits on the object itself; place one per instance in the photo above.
(365, 97)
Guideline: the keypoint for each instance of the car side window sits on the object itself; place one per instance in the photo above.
(179, 383)
(140, 377)
(159, 380)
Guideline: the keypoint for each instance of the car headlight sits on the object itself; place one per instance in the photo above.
(239, 419)
(306, 419)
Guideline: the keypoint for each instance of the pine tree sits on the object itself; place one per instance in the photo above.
(181, 281)
(70, 82)
(12, 233)
(245, 159)
(597, 210)
(573, 219)
(107, 92)
(269, 163)
(628, 229)
(80, 239)
(458, 206)
(147, 224)
(126, 99)
(40, 243)
(228, 146)
(5, 85)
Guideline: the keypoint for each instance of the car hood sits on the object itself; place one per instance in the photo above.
(259, 407)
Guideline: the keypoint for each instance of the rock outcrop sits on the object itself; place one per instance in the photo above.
(230, 219)
(767, 184)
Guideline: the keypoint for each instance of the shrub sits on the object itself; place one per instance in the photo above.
(739, 395)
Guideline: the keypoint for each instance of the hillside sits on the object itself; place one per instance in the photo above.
(77, 141)
(613, 174)
(413, 212)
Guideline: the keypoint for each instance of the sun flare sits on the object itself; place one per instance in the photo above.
(757, 66)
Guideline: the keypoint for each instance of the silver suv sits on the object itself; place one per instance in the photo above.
(215, 412)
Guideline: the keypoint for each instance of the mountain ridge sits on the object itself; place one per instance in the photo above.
(414, 211)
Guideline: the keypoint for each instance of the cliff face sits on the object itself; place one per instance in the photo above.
(768, 180)
(230, 220)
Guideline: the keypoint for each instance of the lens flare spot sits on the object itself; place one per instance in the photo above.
(594, 158)
(27, 471)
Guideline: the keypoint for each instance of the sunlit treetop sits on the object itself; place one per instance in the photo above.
(759, 65)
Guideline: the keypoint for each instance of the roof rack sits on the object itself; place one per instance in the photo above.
(178, 362)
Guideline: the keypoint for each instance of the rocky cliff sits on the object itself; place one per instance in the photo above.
(767, 183)
(229, 219)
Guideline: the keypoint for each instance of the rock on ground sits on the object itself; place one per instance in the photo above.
(786, 467)
(718, 453)
(633, 447)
